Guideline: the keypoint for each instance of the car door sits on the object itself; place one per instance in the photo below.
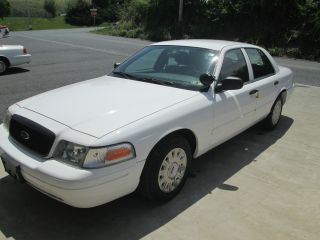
(234, 110)
(264, 80)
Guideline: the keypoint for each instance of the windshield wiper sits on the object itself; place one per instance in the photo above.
(125, 75)
(156, 81)
(144, 79)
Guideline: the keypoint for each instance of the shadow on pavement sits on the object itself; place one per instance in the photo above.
(27, 214)
(14, 70)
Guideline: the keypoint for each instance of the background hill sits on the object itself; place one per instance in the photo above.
(19, 8)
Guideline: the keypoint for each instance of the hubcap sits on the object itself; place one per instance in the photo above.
(172, 170)
(276, 112)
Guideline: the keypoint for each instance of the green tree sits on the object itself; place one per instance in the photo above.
(50, 7)
(311, 24)
(4, 8)
(292, 25)
(109, 10)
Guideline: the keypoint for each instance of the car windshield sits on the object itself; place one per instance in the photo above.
(175, 66)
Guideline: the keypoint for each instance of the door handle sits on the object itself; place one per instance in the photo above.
(276, 83)
(253, 92)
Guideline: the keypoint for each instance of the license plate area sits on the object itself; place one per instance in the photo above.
(12, 168)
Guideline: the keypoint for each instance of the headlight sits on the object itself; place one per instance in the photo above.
(94, 157)
(7, 119)
(71, 153)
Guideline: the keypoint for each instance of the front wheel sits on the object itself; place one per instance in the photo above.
(273, 118)
(166, 169)
(3, 66)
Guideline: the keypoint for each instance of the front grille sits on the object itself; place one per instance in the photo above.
(31, 135)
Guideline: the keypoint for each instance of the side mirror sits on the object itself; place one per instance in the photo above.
(229, 83)
(206, 79)
(115, 65)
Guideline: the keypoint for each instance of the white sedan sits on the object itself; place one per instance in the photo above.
(13, 55)
(140, 127)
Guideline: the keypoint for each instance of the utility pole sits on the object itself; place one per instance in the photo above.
(180, 10)
(29, 17)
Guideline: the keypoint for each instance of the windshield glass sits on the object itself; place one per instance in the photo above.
(176, 66)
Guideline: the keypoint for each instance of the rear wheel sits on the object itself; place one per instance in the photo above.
(166, 169)
(273, 118)
(3, 66)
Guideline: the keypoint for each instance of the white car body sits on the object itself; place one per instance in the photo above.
(14, 55)
(109, 110)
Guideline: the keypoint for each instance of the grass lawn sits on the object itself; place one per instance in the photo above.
(106, 29)
(123, 30)
(36, 6)
(22, 23)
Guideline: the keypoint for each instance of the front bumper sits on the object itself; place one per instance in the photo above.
(77, 187)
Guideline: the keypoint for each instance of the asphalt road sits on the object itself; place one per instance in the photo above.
(61, 57)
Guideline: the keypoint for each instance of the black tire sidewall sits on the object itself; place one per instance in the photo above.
(5, 66)
(268, 121)
(153, 165)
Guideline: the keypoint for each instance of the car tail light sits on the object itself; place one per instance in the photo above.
(25, 51)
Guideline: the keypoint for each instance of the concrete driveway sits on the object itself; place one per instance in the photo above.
(258, 185)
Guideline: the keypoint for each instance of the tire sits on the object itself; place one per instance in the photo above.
(274, 116)
(3, 66)
(166, 169)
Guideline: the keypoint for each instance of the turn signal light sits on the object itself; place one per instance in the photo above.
(115, 154)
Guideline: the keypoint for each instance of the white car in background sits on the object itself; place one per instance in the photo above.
(13, 55)
(140, 127)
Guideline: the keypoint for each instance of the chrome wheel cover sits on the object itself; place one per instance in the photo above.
(172, 170)
(276, 113)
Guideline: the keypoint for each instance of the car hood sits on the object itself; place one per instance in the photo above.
(102, 105)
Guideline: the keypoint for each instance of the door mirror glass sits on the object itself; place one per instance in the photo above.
(206, 79)
(229, 83)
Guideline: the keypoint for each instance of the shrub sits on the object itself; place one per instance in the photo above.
(50, 7)
(4, 8)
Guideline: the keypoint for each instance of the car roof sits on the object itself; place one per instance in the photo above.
(205, 43)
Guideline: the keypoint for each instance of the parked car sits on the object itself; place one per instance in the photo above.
(140, 127)
(13, 55)
(4, 31)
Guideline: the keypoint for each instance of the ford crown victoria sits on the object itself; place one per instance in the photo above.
(141, 126)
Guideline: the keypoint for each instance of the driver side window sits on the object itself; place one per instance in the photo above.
(234, 64)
